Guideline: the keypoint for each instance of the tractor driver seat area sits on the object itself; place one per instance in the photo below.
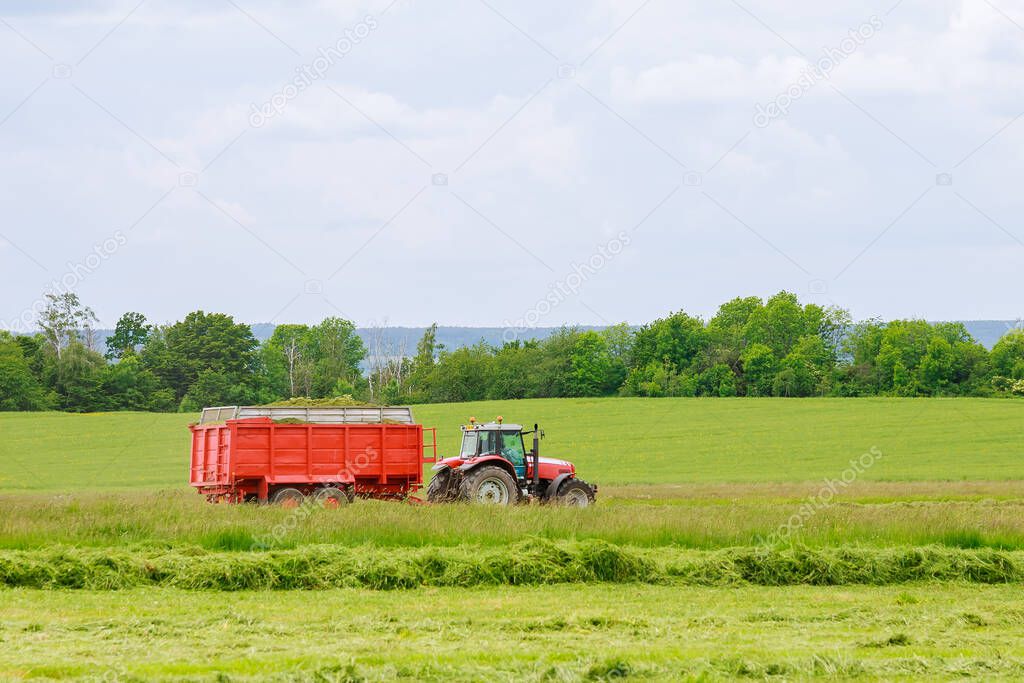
(512, 450)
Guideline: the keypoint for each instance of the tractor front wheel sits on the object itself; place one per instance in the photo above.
(489, 486)
(575, 493)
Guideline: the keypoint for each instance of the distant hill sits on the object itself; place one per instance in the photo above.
(451, 337)
(986, 332)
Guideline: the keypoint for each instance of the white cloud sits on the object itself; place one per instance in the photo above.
(318, 180)
(707, 78)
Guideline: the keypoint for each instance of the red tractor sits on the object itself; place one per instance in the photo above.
(494, 468)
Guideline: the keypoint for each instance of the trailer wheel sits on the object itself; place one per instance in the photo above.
(331, 498)
(489, 486)
(575, 493)
(288, 498)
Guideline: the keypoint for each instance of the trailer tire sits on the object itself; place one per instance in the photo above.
(288, 497)
(489, 485)
(575, 493)
(332, 497)
(442, 487)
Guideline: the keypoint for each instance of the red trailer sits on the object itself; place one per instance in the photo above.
(286, 455)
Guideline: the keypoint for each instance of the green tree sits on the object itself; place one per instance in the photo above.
(128, 385)
(759, 368)
(676, 340)
(726, 340)
(76, 376)
(287, 361)
(594, 371)
(202, 342)
(619, 339)
(130, 334)
(461, 375)
(514, 373)
(214, 388)
(832, 325)
(903, 346)
(858, 372)
(335, 352)
(391, 394)
(651, 380)
(903, 381)
(427, 350)
(20, 388)
(972, 367)
(805, 369)
(553, 373)
(937, 372)
(1008, 355)
(779, 324)
(718, 380)
(63, 319)
(660, 379)
(913, 357)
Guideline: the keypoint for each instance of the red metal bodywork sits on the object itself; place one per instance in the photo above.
(549, 467)
(244, 459)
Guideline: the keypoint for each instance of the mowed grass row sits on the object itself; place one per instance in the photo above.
(545, 633)
(612, 441)
(526, 563)
(182, 519)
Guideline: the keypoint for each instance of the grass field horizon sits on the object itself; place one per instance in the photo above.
(614, 441)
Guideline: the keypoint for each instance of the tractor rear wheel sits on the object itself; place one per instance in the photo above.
(332, 498)
(575, 493)
(442, 488)
(288, 498)
(489, 486)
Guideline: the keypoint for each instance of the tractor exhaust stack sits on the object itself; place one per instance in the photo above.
(536, 459)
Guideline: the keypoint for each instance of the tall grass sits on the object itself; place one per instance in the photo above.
(181, 518)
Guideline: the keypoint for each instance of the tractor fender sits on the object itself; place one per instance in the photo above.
(555, 484)
(488, 460)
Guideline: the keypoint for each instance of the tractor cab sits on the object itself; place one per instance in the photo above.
(495, 438)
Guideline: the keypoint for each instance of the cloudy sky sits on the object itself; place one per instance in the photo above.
(482, 162)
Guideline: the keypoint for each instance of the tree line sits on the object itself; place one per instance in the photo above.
(750, 347)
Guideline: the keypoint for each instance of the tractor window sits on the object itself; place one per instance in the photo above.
(512, 448)
(469, 442)
(489, 443)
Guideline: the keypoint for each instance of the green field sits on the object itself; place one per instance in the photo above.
(613, 441)
(111, 568)
(934, 632)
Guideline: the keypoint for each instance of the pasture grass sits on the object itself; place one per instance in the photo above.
(612, 441)
(716, 518)
(586, 632)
